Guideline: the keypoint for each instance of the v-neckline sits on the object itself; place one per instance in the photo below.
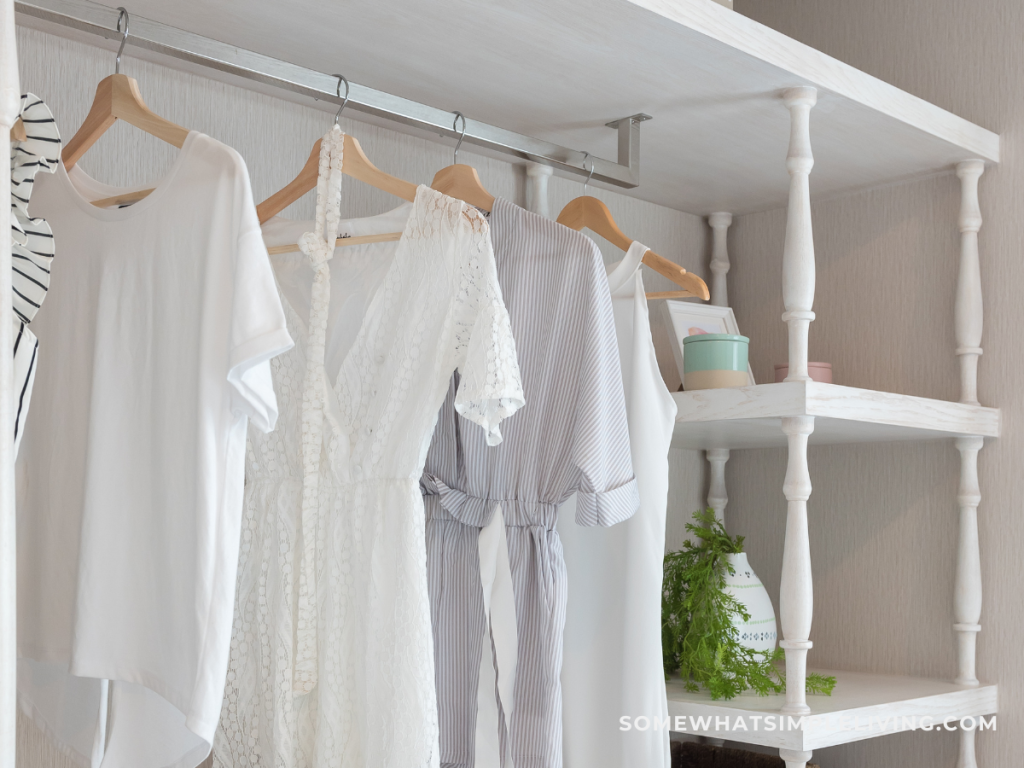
(373, 302)
(620, 272)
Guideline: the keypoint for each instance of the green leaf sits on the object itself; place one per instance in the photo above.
(699, 640)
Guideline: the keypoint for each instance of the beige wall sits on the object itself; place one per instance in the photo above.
(274, 137)
(883, 520)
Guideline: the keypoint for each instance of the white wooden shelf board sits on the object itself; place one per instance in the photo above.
(862, 706)
(751, 417)
(711, 78)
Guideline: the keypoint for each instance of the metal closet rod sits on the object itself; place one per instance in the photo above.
(170, 41)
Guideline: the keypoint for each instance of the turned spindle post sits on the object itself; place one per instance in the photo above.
(967, 598)
(795, 758)
(796, 599)
(968, 312)
(969, 317)
(720, 258)
(537, 176)
(796, 595)
(798, 256)
(718, 497)
(966, 758)
(717, 457)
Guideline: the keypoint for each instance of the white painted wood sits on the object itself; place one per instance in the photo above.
(796, 595)
(815, 67)
(795, 758)
(718, 496)
(537, 175)
(863, 705)
(967, 597)
(966, 757)
(969, 322)
(896, 233)
(8, 547)
(798, 254)
(10, 106)
(713, 146)
(968, 311)
(751, 417)
(720, 222)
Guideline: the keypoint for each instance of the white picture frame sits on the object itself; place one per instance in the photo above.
(680, 316)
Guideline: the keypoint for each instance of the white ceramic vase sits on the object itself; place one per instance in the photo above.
(760, 632)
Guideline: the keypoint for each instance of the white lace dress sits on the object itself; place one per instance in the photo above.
(331, 654)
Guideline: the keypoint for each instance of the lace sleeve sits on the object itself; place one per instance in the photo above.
(490, 389)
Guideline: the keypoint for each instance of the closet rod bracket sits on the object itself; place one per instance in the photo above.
(639, 117)
(629, 140)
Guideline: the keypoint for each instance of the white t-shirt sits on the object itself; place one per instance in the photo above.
(156, 339)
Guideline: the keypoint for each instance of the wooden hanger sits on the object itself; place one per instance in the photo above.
(462, 181)
(591, 213)
(341, 242)
(355, 164)
(18, 131)
(118, 98)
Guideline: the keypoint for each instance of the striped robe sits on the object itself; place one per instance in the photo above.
(32, 245)
(571, 437)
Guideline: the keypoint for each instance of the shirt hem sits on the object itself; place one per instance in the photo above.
(32, 712)
(193, 719)
(192, 758)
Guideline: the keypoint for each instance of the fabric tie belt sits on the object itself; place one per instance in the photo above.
(319, 249)
(536, 517)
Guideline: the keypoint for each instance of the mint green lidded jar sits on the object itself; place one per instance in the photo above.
(713, 360)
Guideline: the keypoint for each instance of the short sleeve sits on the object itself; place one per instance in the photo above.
(490, 388)
(608, 491)
(258, 328)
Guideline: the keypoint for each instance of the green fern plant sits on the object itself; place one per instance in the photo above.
(699, 640)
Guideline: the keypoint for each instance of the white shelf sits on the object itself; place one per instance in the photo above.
(751, 417)
(862, 706)
(711, 78)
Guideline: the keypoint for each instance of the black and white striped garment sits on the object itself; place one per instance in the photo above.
(571, 436)
(32, 244)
